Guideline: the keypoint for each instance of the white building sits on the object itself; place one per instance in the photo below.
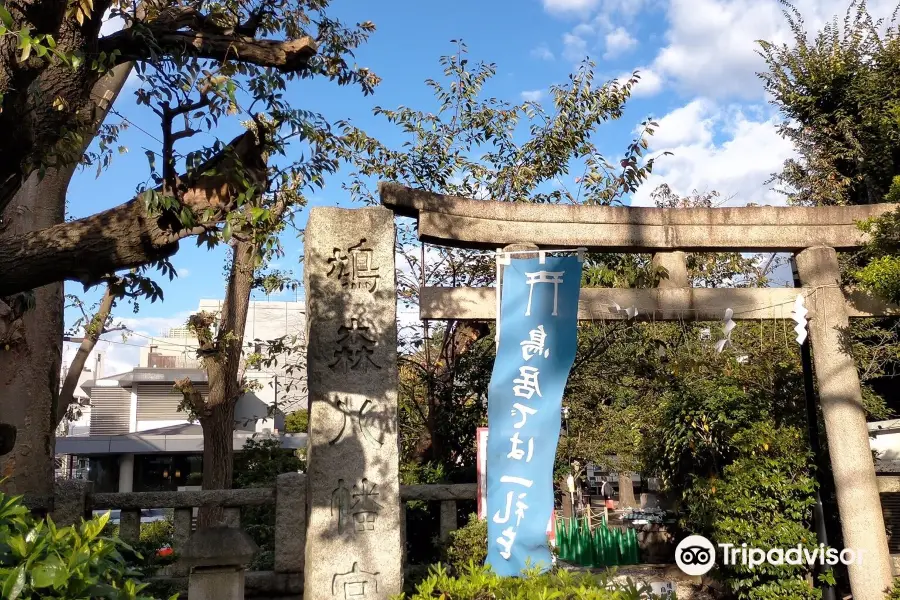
(137, 437)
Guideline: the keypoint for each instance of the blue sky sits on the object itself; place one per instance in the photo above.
(697, 59)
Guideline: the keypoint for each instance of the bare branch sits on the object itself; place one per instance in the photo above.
(92, 332)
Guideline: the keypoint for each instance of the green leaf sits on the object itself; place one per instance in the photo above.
(256, 213)
(26, 50)
(18, 545)
(49, 573)
(15, 581)
(5, 17)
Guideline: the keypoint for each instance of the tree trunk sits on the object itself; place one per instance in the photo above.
(223, 371)
(626, 491)
(460, 336)
(125, 236)
(30, 369)
(218, 457)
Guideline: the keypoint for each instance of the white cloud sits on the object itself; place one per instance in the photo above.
(711, 45)
(542, 52)
(532, 95)
(693, 123)
(749, 150)
(575, 48)
(183, 272)
(576, 6)
(650, 82)
(618, 41)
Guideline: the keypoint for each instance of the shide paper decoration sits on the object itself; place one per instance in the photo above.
(729, 327)
(799, 315)
(536, 349)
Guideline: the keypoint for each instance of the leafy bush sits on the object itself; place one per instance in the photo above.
(743, 477)
(259, 465)
(478, 583)
(156, 536)
(466, 545)
(146, 554)
(40, 560)
(297, 421)
(894, 593)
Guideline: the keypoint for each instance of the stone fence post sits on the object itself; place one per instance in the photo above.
(217, 556)
(70, 501)
(290, 523)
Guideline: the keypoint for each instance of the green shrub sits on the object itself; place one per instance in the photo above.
(40, 560)
(479, 583)
(145, 555)
(155, 536)
(259, 465)
(740, 476)
(894, 593)
(466, 545)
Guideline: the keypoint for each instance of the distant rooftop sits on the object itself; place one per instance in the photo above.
(174, 438)
(147, 375)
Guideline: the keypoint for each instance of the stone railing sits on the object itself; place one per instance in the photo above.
(74, 500)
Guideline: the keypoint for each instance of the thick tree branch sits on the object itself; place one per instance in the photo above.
(126, 236)
(92, 333)
(288, 56)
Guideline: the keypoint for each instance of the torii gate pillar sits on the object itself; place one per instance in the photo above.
(840, 396)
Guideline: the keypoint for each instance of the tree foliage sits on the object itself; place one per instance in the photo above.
(739, 465)
(297, 421)
(839, 92)
(476, 146)
(202, 68)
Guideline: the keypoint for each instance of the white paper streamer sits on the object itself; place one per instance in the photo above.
(729, 327)
(799, 313)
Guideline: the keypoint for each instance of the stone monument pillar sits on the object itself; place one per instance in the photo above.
(840, 396)
(353, 539)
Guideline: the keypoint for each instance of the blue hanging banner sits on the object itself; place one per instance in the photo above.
(538, 325)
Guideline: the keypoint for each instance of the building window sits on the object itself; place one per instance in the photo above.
(103, 471)
(166, 473)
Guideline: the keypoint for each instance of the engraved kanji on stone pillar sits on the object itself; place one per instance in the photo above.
(353, 543)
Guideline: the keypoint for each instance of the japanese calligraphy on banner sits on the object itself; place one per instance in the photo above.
(538, 320)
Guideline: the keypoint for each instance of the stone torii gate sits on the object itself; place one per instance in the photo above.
(813, 235)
